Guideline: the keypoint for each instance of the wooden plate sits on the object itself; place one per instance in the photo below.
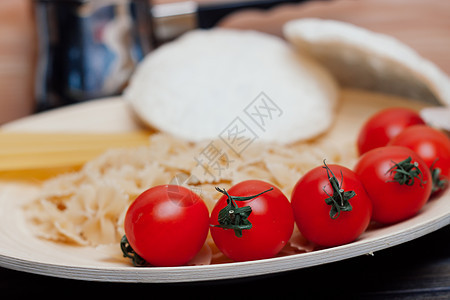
(21, 250)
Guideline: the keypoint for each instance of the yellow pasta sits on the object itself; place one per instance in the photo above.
(42, 155)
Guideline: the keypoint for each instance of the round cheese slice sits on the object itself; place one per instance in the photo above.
(364, 59)
(235, 85)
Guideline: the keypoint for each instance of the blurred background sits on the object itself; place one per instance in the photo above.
(19, 54)
(423, 25)
(17, 57)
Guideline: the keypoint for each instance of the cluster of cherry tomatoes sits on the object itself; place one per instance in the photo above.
(403, 162)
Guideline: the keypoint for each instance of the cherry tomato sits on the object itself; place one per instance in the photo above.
(433, 146)
(330, 205)
(397, 181)
(256, 221)
(167, 225)
(384, 125)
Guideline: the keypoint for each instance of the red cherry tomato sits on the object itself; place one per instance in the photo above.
(397, 181)
(384, 125)
(167, 225)
(433, 146)
(266, 220)
(330, 205)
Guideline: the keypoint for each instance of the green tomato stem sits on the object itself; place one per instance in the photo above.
(439, 182)
(128, 251)
(234, 217)
(339, 200)
(405, 172)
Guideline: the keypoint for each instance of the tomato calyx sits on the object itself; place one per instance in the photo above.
(128, 251)
(234, 217)
(439, 183)
(339, 200)
(405, 172)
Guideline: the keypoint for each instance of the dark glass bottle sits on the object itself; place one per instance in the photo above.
(88, 49)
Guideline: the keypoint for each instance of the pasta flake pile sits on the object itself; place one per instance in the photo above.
(87, 207)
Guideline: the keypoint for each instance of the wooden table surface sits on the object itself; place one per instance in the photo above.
(419, 269)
